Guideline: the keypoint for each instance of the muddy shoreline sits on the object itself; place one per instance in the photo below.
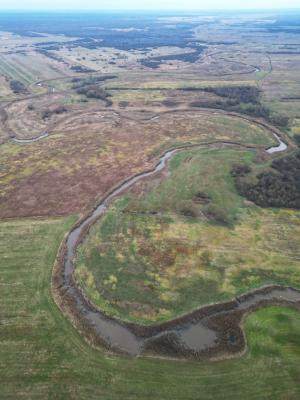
(211, 331)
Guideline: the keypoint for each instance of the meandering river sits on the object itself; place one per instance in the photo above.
(203, 332)
(192, 335)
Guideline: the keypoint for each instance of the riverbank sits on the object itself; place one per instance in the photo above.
(164, 339)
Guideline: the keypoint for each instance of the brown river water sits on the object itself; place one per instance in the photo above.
(200, 333)
(193, 335)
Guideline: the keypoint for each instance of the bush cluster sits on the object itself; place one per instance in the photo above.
(244, 99)
(58, 110)
(17, 87)
(278, 186)
(90, 89)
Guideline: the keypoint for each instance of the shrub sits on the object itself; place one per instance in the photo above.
(218, 214)
(123, 104)
(58, 110)
(240, 170)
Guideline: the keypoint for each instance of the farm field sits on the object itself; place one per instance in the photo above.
(28, 67)
(42, 354)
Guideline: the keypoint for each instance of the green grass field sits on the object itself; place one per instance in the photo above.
(185, 241)
(28, 68)
(42, 356)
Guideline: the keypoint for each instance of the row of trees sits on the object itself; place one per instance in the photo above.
(244, 99)
(191, 57)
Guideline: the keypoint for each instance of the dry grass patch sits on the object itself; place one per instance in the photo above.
(91, 151)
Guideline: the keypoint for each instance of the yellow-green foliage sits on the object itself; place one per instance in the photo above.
(137, 95)
(182, 84)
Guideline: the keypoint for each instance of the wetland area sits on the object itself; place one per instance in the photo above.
(150, 205)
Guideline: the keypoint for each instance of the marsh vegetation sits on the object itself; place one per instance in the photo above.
(219, 222)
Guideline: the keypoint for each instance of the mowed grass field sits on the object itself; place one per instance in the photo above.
(29, 67)
(187, 240)
(42, 356)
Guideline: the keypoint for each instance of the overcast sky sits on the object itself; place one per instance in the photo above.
(145, 4)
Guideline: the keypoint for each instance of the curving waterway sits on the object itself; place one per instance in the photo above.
(211, 330)
(43, 135)
(280, 147)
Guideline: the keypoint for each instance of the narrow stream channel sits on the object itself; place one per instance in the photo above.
(30, 140)
(187, 334)
(276, 149)
(193, 335)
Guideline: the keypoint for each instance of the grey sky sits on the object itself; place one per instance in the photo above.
(146, 4)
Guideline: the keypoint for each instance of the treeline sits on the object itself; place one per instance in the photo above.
(279, 186)
(191, 57)
(244, 99)
(122, 31)
(76, 68)
(237, 94)
(79, 82)
(48, 54)
(81, 69)
(124, 34)
(48, 45)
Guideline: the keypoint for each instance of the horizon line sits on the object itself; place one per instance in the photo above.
(148, 9)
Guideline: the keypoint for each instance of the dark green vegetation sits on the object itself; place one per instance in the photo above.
(154, 62)
(172, 243)
(90, 87)
(42, 356)
(78, 68)
(237, 94)
(48, 113)
(91, 37)
(187, 240)
(17, 87)
(91, 80)
(244, 99)
(276, 186)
